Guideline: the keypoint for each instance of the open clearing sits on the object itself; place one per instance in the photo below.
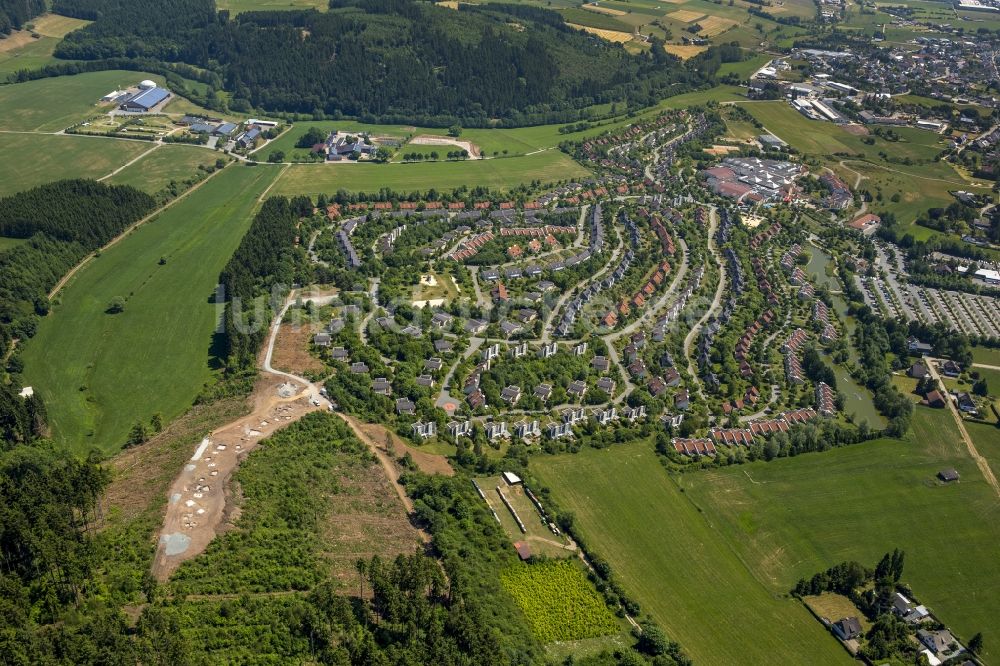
(167, 163)
(57, 157)
(240, 6)
(548, 166)
(22, 51)
(671, 560)
(861, 501)
(87, 363)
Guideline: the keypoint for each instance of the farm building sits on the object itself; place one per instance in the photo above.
(146, 99)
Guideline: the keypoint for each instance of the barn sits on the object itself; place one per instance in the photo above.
(145, 100)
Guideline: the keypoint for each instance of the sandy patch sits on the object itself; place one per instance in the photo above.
(685, 15)
(428, 280)
(604, 10)
(684, 51)
(433, 302)
(752, 221)
(433, 140)
(855, 129)
(721, 150)
(611, 35)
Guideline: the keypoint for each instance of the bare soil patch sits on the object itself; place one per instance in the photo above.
(857, 130)
(428, 463)
(291, 350)
(15, 40)
(435, 140)
(366, 519)
(197, 500)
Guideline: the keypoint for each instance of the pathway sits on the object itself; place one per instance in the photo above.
(713, 224)
(981, 462)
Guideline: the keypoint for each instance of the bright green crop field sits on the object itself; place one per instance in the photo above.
(504, 173)
(48, 157)
(711, 554)
(87, 364)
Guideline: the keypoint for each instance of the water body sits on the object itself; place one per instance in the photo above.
(857, 398)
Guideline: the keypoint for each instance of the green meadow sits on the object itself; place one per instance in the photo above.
(711, 554)
(53, 104)
(37, 52)
(167, 163)
(99, 373)
(672, 561)
(502, 173)
(54, 157)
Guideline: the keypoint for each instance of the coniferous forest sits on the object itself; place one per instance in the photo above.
(15, 13)
(383, 60)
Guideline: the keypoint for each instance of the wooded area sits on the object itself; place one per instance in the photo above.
(15, 13)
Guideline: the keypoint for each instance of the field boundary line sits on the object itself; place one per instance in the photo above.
(135, 225)
(274, 182)
(129, 163)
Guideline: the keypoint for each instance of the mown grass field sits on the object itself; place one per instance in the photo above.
(50, 105)
(791, 518)
(986, 356)
(154, 172)
(549, 166)
(88, 364)
(677, 565)
(43, 158)
(748, 533)
(9, 243)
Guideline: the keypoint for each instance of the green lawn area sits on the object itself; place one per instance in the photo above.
(986, 356)
(794, 517)
(53, 104)
(47, 157)
(100, 373)
(504, 173)
(745, 68)
(677, 565)
(169, 162)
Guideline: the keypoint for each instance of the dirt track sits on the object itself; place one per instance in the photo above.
(197, 504)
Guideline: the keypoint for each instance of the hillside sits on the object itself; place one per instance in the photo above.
(384, 59)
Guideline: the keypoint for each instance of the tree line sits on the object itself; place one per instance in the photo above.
(259, 272)
(62, 222)
(15, 13)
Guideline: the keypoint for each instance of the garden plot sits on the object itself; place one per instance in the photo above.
(515, 510)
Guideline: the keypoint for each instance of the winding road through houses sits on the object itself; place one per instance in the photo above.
(713, 224)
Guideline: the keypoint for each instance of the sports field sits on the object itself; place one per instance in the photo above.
(503, 173)
(749, 532)
(48, 157)
(167, 163)
(681, 570)
(50, 105)
(86, 364)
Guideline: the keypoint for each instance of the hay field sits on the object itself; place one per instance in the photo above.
(684, 51)
(685, 15)
(604, 10)
(610, 35)
(715, 25)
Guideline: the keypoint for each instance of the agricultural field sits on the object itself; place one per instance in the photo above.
(676, 564)
(504, 173)
(559, 602)
(86, 363)
(57, 157)
(53, 104)
(986, 356)
(684, 51)
(20, 50)
(860, 501)
(167, 163)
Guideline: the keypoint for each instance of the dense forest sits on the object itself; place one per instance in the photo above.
(260, 271)
(15, 13)
(384, 60)
(62, 222)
